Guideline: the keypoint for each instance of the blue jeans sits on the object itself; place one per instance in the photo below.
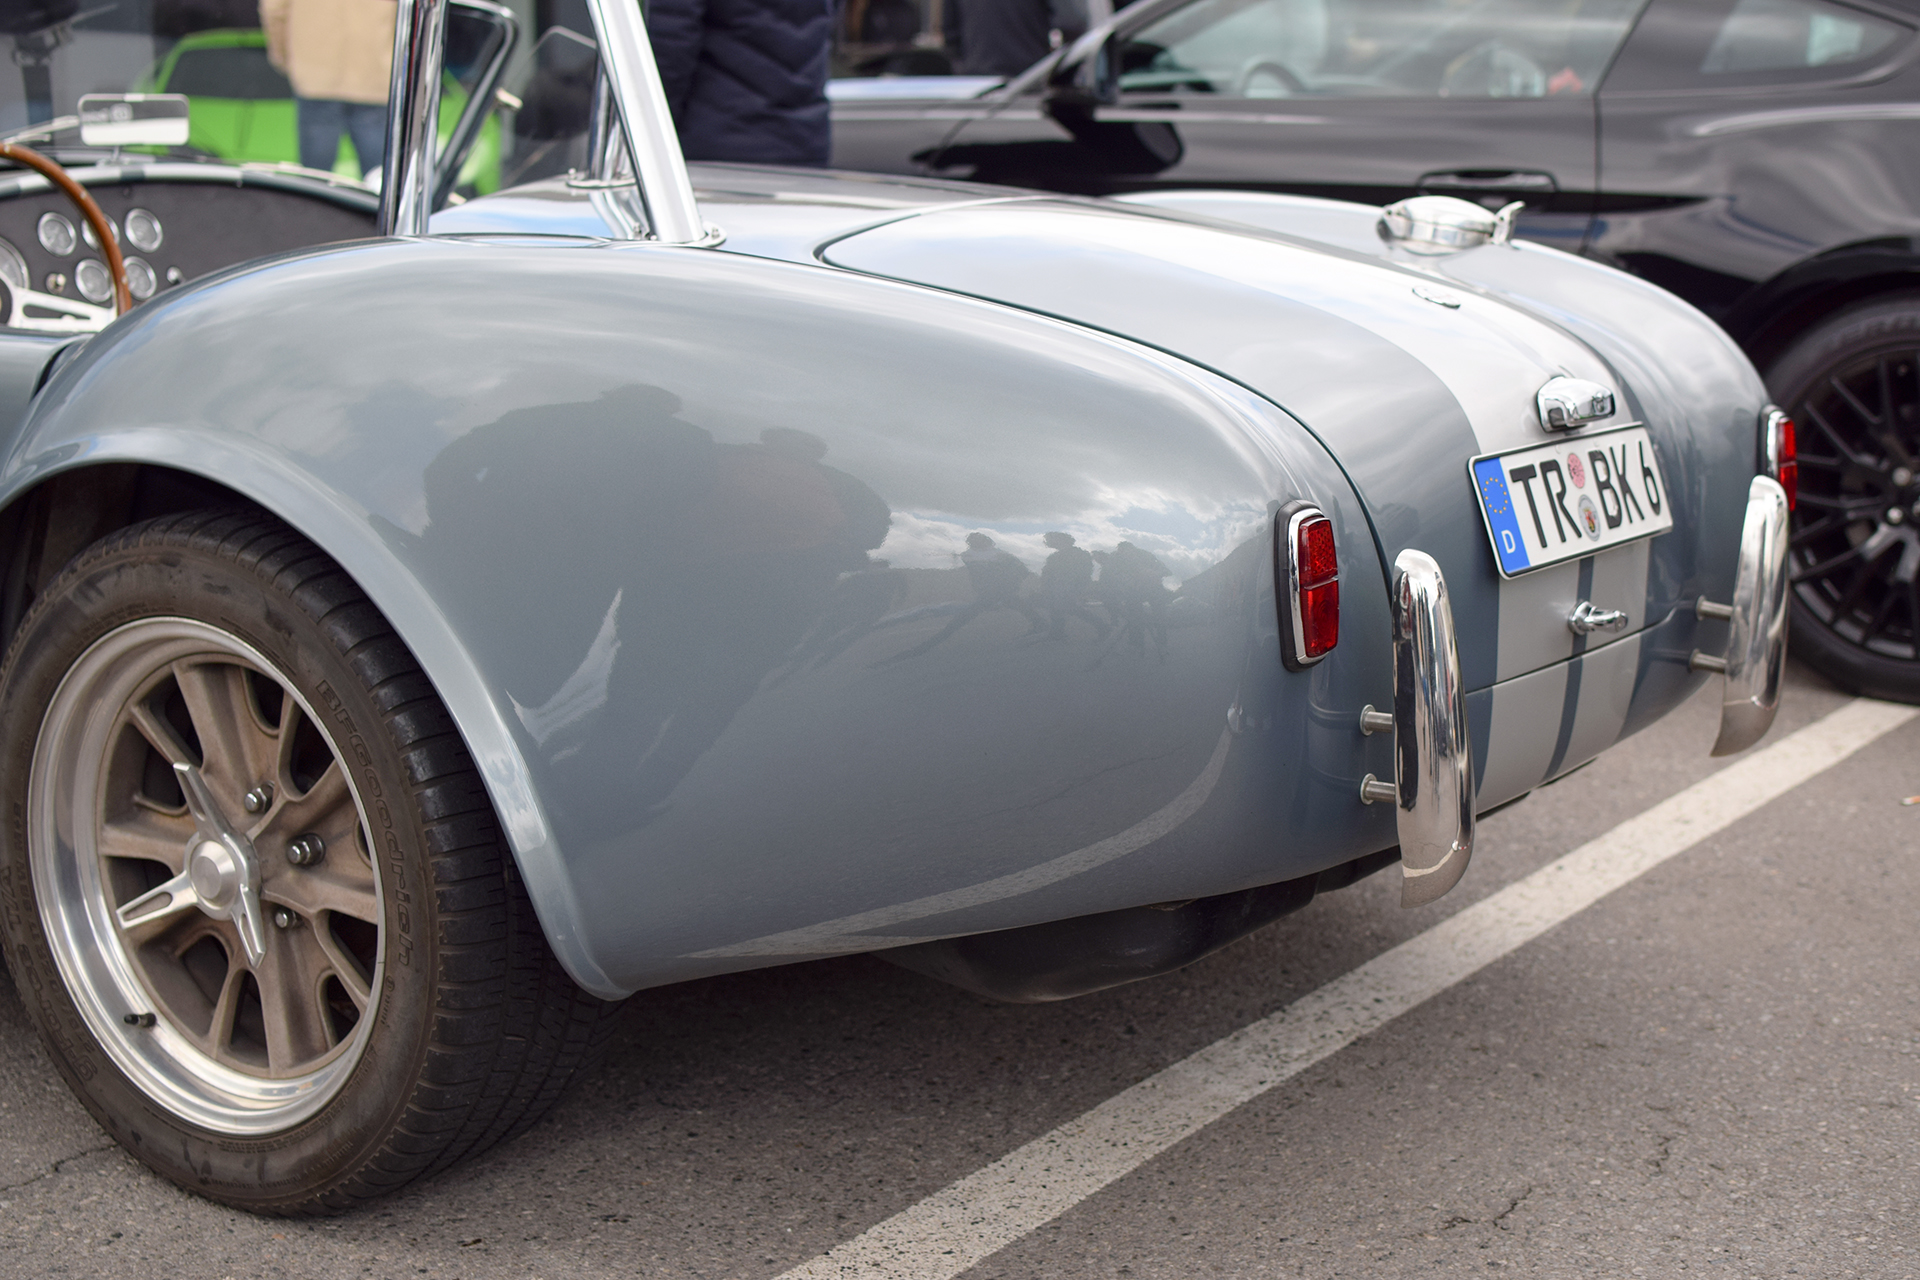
(322, 121)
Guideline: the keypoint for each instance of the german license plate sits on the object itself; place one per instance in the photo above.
(1571, 498)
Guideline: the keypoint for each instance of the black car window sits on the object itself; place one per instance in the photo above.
(1713, 44)
(1794, 35)
(1377, 48)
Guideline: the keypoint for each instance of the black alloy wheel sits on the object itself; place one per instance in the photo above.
(1852, 387)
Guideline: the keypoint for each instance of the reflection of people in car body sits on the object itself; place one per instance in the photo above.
(735, 553)
(1066, 579)
(997, 578)
(1131, 584)
(857, 606)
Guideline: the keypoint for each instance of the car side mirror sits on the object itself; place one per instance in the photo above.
(1089, 74)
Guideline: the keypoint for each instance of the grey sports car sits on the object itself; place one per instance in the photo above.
(415, 644)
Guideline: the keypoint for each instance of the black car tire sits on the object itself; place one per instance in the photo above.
(429, 1025)
(1852, 386)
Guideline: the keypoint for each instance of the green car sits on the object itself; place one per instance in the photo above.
(243, 109)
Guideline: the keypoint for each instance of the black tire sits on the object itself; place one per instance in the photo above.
(1852, 387)
(438, 1027)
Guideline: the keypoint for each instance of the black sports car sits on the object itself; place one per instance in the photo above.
(1759, 157)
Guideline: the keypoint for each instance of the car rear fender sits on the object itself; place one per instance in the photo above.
(1407, 367)
(676, 535)
(24, 361)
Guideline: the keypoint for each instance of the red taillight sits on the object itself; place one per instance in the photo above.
(1789, 476)
(1320, 619)
(1313, 582)
(1783, 454)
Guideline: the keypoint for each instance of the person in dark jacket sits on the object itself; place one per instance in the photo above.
(746, 80)
(1005, 37)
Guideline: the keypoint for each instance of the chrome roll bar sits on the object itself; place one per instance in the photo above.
(626, 57)
(1432, 788)
(639, 104)
(1756, 623)
(413, 117)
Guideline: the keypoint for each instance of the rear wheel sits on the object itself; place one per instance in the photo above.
(251, 884)
(1852, 387)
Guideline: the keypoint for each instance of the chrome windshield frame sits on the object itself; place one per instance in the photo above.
(639, 105)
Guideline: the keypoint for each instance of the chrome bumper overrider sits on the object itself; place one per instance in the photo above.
(1432, 758)
(1756, 623)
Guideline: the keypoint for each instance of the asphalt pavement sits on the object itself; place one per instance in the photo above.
(1711, 1070)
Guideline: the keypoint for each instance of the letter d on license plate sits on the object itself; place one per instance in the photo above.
(1571, 498)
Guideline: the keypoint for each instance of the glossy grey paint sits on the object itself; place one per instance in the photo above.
(1635, 327)
(1346, 364)
(571, 475)
(23, 362)
(1313, 343)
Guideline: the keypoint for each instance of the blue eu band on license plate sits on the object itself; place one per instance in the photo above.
(1570, 498)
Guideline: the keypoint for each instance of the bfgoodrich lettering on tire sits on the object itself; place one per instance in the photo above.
(252, 888)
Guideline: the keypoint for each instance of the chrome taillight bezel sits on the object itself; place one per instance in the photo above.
(1773, 464)
(1287, 525)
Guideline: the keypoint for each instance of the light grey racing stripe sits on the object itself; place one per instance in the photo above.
(1522, 733)
(954, 1228)
(1606, 692)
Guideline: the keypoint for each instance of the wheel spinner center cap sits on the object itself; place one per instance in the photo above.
(214, 873)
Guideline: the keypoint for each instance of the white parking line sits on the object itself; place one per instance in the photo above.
(954, 1228)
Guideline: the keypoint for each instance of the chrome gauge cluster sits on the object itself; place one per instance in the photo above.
(64, 236)
(141, 281)
(13, 267)
(143, 230)
(57, 235)
(94, 281)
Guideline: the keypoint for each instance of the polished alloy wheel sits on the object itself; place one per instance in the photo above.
(199, 854)
(1856, 532)
(210, 728)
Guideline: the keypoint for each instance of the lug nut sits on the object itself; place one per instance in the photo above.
(306, 850)
(1895, 515)
(1902, 476)
(285, 919)
(259, 799)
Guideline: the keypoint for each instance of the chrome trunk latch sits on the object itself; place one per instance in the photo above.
(1571, 402)
(1586, 619)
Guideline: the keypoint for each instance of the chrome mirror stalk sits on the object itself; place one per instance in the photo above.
(1433, 756)
(1756, 623)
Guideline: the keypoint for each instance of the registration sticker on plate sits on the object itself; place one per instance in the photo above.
(1571, 498)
